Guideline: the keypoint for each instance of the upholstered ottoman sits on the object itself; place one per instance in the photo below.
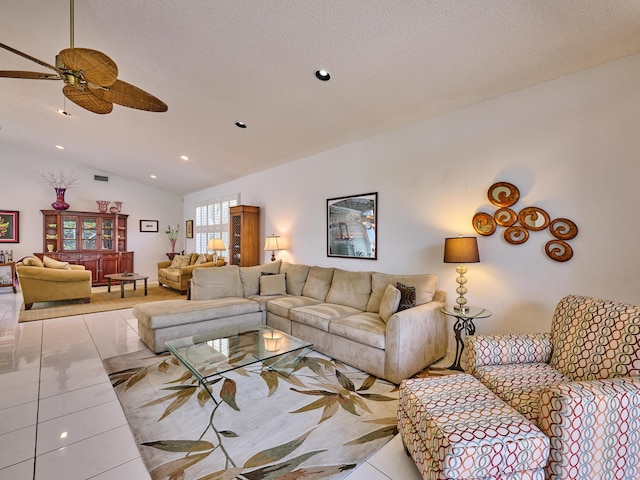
(456, 428)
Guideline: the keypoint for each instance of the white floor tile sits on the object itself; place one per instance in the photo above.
(16, 378)
(12, 396)
(20, 471)
(75, 401)
(62, 369)
(18, 417)
(17, 446)
(88, 458)
(394, 462)
(367, 472)
(77, 426)
(73, 381)
(133, 470)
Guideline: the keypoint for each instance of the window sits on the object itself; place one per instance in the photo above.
(212, 220)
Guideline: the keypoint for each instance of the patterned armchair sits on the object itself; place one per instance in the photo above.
(579, 383)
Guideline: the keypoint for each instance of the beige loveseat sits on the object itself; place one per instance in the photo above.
(51, 280)
(350, 316)
(177, 273)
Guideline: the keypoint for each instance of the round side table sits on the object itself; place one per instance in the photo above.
(464, 322)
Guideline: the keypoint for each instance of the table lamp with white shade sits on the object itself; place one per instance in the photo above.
(216, 245)
(273, 243)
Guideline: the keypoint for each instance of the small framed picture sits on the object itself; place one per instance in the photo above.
(149, 226)
(9, 226)
(189, 229)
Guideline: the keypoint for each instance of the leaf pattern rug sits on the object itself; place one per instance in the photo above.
(319, 422)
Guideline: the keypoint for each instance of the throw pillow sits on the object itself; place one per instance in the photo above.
(51, 263)
(180, 261)
(273, 284)
(201, 259)
(390, 303)
(32, 262)
(407, 296)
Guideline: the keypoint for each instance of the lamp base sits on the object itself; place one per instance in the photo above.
(461, 308)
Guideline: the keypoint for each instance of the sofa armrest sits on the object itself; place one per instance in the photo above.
(507, 349)
(415, 338)
(591, 425)
(164, 264)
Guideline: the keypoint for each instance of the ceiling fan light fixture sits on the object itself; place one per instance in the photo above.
(241, 125)
(323, 75)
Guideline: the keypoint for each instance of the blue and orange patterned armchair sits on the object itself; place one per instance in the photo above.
(579, 383)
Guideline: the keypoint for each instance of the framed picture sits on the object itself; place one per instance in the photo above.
(148, 225)
(189, 229)
(9, 226)
(352, 229)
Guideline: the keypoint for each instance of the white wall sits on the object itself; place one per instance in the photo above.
(571, 147)
(23, 190)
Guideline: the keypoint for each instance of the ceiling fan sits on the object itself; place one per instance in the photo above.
(91, 79)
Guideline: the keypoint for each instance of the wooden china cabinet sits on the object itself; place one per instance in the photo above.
(96, 240)
(244, 235)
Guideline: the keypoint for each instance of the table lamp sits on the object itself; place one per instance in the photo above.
(273, 243)
(217, 245)
(461, 250)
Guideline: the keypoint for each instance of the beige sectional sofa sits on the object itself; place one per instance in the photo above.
(350, 316)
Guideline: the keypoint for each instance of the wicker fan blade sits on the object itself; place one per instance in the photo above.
(30, 75)
(130, 96)
(29, 57)
(87, 100)
(98, 68)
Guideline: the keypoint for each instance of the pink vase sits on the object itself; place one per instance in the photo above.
(60, 204)
(173, 245)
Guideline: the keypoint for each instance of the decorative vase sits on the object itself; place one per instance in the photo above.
(60, 204)
(118, 206)
(102, 205)
(173, 244)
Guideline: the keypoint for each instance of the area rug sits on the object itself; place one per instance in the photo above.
(101, 301)
(319, 422)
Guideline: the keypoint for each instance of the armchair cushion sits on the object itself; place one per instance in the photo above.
(51, 263)
(32, 262)
(507, 349)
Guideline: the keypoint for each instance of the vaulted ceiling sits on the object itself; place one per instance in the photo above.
(218, 62)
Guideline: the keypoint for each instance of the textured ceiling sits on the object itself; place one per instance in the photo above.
(214, 62)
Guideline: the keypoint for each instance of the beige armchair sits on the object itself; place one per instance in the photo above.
(50, 284)
(178, 277)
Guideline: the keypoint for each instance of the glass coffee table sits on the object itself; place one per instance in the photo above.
(212, 354)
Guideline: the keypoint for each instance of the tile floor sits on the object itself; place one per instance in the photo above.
(59, 416)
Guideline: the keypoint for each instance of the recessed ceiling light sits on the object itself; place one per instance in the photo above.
(184, 157)
(61, 111)
(153, 176)
(241, 125)
(59, 147)
(323, 75)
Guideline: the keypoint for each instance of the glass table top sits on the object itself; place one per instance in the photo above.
(211, 354)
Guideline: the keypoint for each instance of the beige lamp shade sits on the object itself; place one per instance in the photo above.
(461, 250)
(273, 243)
(216, 245)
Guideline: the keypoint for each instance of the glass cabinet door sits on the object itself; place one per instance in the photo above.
(107, 233)
(69, 233)
(89, 233)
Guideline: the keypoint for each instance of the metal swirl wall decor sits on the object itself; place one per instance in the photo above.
(517, 226)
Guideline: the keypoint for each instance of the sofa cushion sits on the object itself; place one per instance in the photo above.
(595, 339)
(250, 276)
(32, 262)
(352, 289)
(296, 277)
(219, 282)
(281, 306)
(180, 261)
(51, 263)
(318, 283)
(172, 274)
(319, 316)
(407, 296)
(171, 313)
(365, 327)
(273, 284)
(390, 303)
(200, 259)
(520, 384)
(425, 286)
